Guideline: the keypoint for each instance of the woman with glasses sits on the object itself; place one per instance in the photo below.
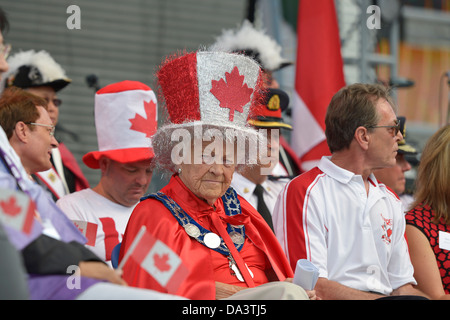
(39, 74)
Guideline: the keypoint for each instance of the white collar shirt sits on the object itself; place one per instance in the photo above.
(354, 237)
(245, 189)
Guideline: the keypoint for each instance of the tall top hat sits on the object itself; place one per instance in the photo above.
(206, 89)
(125, 120)
(211, 88)
(254, 43)
(33, 69)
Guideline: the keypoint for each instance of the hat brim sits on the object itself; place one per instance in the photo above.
(269, 124)
(283, 65)
(164, 141)
(59, 84)
(91, 159)
(55, 85)
(406, 149)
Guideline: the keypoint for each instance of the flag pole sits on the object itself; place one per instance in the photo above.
(132, 247)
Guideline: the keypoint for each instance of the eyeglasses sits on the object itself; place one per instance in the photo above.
(51, 132)
(5, 49)
(56, 102)
(396, 128)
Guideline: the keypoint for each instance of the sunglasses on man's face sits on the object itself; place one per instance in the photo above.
(395, 128)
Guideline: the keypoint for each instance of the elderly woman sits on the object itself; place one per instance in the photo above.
(223, 241)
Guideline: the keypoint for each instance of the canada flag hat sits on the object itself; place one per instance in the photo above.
(211, 88)
(125, 119)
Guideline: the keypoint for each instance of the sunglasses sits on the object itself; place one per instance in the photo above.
(396, 128)
(56, 102)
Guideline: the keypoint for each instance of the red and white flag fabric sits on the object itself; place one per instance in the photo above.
(17, 210)
(155, 257)
(88, 229)
(319, 75)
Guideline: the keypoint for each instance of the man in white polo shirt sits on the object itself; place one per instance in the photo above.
(338, 216)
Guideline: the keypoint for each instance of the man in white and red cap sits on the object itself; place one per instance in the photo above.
(38, 73)
(125, 120)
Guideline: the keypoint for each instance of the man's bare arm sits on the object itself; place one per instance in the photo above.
(332, 290)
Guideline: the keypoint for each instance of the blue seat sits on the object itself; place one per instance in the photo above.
(115, 256)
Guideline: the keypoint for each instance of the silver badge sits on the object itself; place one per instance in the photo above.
(211, 240)
(237, 238)
(192, 230)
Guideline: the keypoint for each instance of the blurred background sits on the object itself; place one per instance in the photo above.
(121, 40)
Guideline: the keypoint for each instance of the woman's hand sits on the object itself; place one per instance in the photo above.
(101, 271)
(224, 290)
(311, 293)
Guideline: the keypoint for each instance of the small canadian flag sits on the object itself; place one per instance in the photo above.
(155, 257)
(88, 229)
(17, 210)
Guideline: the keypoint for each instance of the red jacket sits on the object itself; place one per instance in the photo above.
(200, 260)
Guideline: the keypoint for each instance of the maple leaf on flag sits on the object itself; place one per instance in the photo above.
(232, 94)
(10, 207)
(78, 227)
(161, 262)
(141, 124)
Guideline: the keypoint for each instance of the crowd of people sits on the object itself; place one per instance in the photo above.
(237, 213)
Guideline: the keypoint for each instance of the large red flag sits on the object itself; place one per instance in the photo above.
(319, 75)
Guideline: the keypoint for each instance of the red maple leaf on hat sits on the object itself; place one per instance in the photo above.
(141, 124)
(232, 94)
(10, 207)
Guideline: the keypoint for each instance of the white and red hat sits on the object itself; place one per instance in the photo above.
(126, 118)
(207, 89)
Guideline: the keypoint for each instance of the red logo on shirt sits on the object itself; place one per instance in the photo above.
(387, 229)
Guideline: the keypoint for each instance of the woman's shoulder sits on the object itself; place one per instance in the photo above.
(149, 212)
(419, 212)
(421, 217)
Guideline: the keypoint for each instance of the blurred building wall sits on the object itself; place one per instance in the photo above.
(118, 40)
